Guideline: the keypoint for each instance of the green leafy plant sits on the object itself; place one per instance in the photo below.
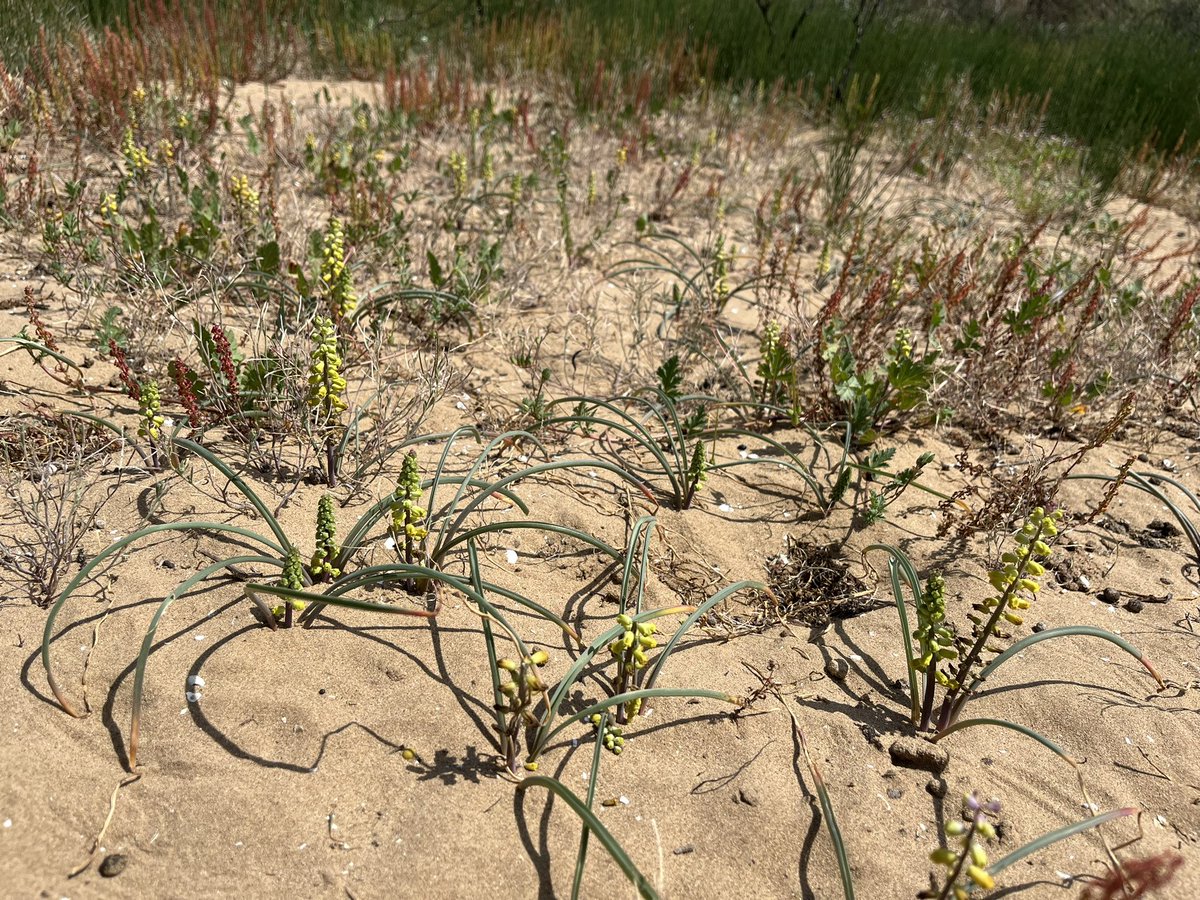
(653, 422)
(273, 549)
(870, 398)
(940, 655)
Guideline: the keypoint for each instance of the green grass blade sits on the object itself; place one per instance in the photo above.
(1059, 834)
(620, 700)
(180, 591)
(900, 564)
(94, 563)
(1030, 640)
(1012, 726)
(831, 824)
(236, 480)
(615, 850)
(691, 620)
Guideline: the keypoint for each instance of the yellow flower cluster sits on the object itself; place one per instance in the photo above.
(325, 382)
(1021, 568)
(135, 154)
(523, 683)
(292, 577)
(327, 548)
(722, 266)
(407, 516)
(971, 858)
(630, 651)
(458, 171)
(108, 207)
(150, 406)
(936, 637)
(335, 275)
(825, 261)
(245, 198)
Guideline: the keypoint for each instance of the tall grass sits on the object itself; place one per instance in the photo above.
(1111, 84)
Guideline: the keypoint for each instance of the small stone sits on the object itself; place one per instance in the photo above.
(686, 848)
(1039, 627)
(915, 753)
(837, 669)
(747, 796)
(113, 865)
(1135, 605)
(1143, 457)
(1085, 583)
(936, 787)
(895, 793)
(1111, 596)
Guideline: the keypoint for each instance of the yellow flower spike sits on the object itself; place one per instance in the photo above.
(624, 621)
(978, 854)
(508, 665)
(531, 767)
(539, 657)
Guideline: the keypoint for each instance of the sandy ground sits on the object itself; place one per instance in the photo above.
(287, 776)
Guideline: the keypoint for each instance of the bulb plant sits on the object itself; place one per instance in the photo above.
(292, 596)
(952, 660)
(654, 422)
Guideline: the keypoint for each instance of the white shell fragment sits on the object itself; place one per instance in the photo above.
(194, 696)
(511, 557)
(195, 681)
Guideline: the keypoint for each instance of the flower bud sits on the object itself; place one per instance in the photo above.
(943, 856)
(539, 657)
(981, 877)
